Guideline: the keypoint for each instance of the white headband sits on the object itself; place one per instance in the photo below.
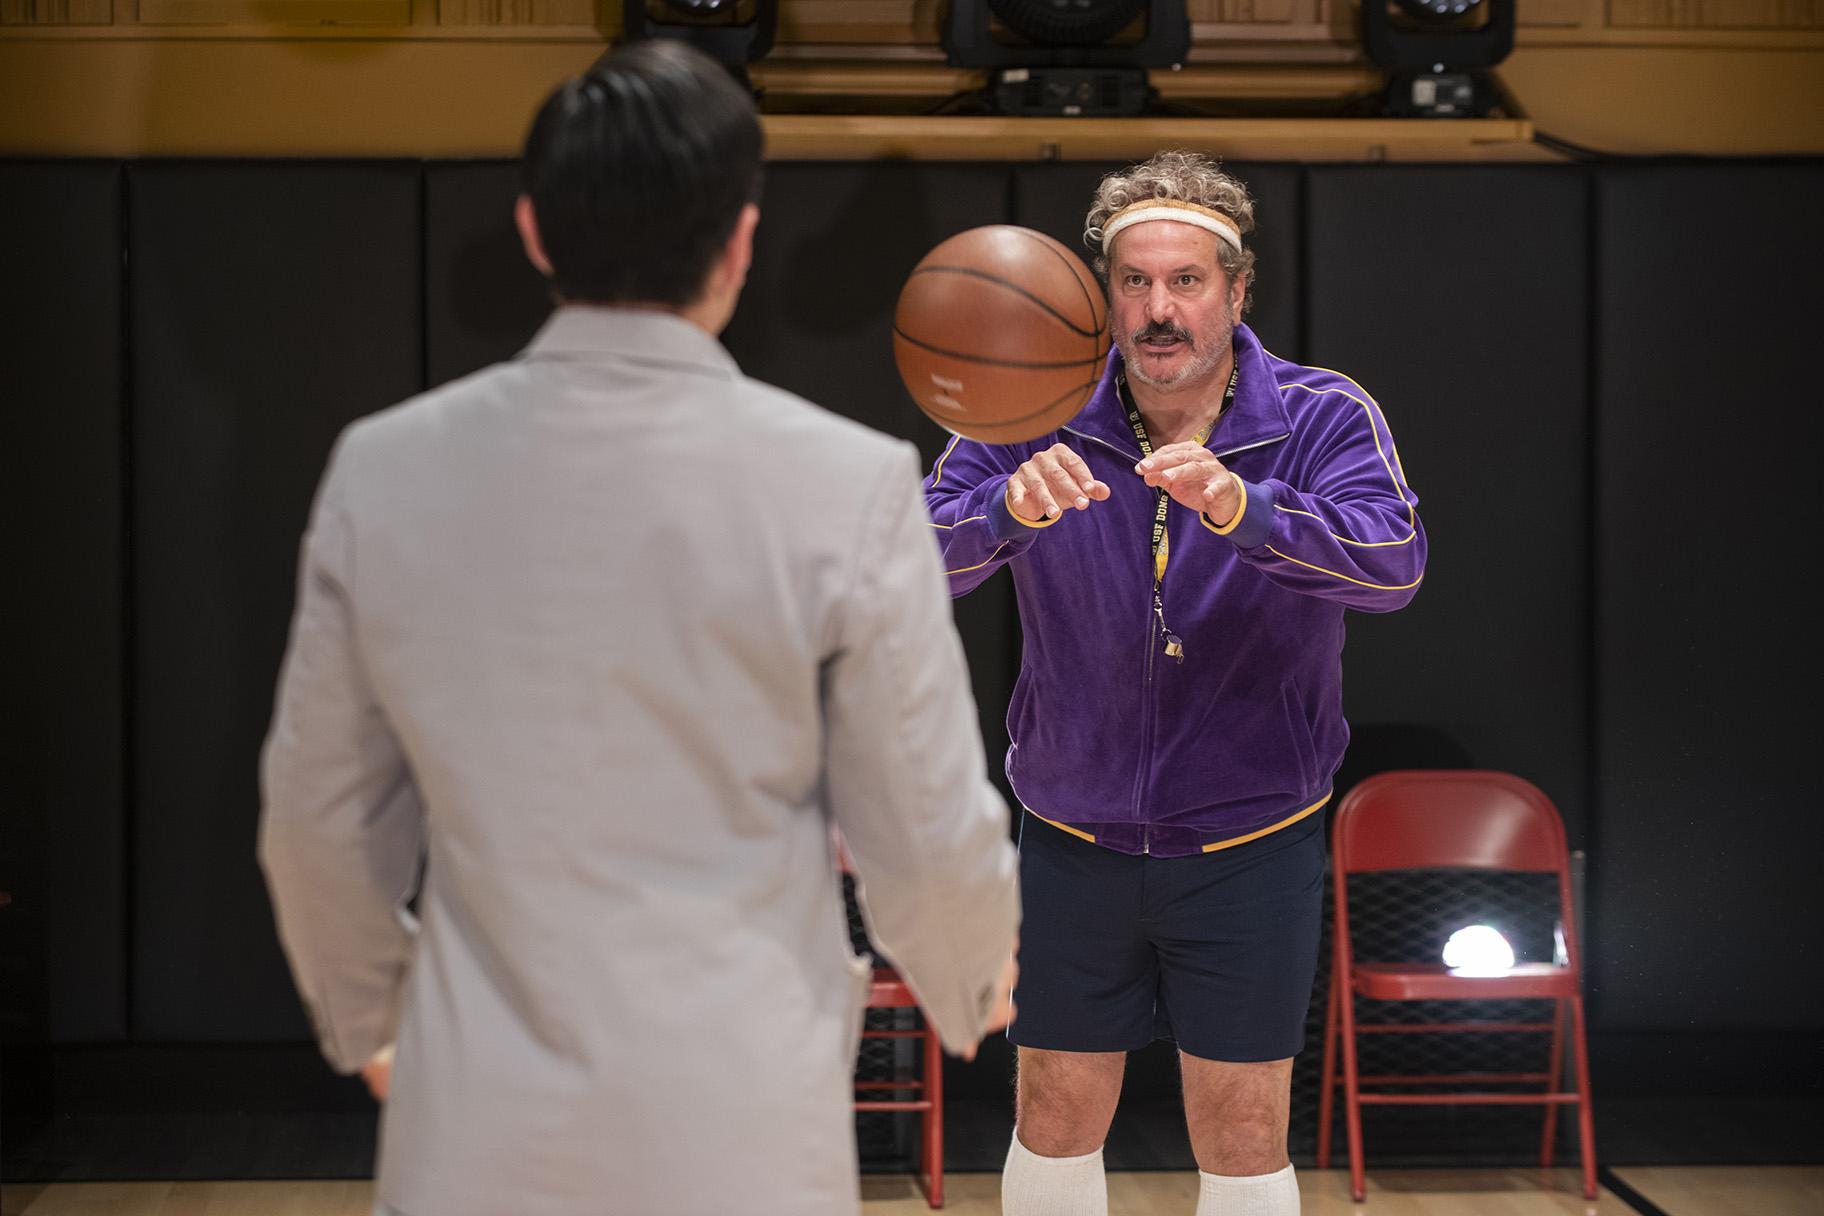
(1172, 209)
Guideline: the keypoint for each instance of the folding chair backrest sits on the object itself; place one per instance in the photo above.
(1435, 819)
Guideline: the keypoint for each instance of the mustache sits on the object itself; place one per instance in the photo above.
(1162, 329)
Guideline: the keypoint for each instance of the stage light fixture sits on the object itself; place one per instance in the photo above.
(735, 33)
(1067, 57)
(1437, 53)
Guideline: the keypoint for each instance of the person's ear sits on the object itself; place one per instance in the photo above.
(738, 254)
(527, 223)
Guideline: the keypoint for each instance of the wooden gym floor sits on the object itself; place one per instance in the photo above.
(1674, 1191)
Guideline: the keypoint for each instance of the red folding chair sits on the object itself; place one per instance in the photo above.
(925, 1090)
(1451, 820)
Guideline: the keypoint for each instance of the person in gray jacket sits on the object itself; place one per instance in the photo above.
(608, 638)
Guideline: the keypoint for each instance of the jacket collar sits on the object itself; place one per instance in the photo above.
(582, 332)
(1257, 417)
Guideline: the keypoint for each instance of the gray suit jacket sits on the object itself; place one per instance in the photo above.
(611, 635)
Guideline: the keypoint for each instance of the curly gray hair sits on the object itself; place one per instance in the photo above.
(1190, 177)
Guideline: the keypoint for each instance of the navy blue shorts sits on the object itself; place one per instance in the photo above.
(1217, 950)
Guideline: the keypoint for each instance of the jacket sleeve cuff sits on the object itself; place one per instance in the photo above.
(1253, 522)
(1010, 527)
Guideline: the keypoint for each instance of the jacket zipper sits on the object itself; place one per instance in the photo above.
(1146, 734)
(1146, 688)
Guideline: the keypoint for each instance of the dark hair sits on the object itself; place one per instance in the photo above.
(637, 171)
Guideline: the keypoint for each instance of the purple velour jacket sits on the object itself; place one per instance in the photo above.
(1113, 738)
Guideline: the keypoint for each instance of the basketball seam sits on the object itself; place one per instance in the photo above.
(988, 362)
(1061, 319)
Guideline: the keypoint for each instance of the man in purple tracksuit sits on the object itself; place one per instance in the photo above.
(1183, 552)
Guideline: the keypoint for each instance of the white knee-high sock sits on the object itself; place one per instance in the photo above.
(1258, 1195)
(1032, 1185)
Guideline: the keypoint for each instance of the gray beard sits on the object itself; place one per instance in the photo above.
(1199, 365)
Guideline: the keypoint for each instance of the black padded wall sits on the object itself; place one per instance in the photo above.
(483, 301)
(62, 824)
(270, 305)
(1458, 298)
(1055, 198)
(834, 247)
(1709, 836)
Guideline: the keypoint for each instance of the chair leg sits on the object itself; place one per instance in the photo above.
(1551, 1084)
(1352, 1096)
(934, 1119)
(1326, 1092)
(1586, 1120)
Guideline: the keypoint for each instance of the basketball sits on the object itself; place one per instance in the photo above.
(1000, 333)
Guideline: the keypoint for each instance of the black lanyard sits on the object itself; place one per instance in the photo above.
(1174, 645)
